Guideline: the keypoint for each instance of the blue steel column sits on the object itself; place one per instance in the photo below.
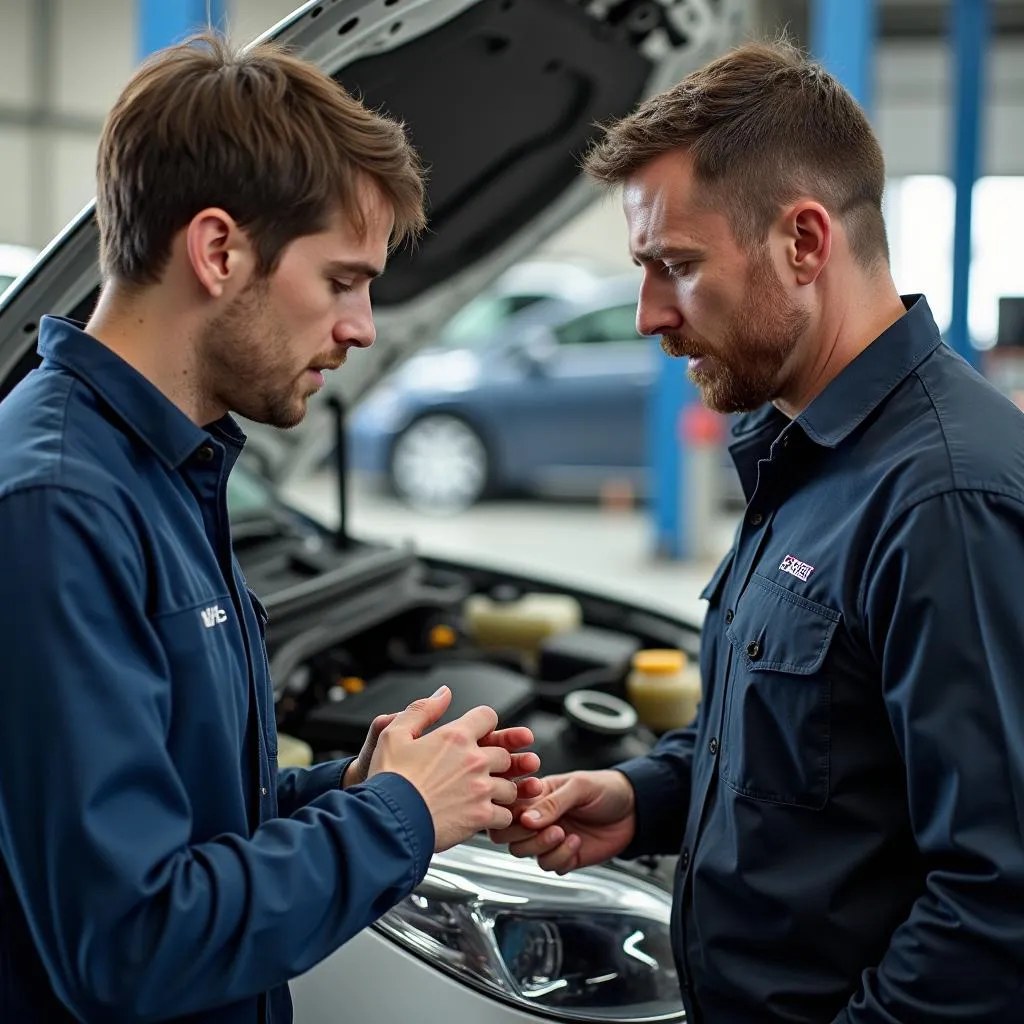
(164, 22)
(842, 40)
(969, 31)
(671, 394)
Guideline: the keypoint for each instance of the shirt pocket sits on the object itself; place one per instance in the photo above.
(778, 719)
(210, 681)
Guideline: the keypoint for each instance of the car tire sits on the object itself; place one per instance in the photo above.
(439, 464)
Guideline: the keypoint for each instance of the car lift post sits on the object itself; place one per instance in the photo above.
(680, 489)
(969, 37)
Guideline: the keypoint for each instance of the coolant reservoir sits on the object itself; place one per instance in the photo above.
(664, 688)
(520, 621)
(292, 752)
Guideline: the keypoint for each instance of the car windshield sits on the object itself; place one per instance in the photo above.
(248, 494)
(480, 319)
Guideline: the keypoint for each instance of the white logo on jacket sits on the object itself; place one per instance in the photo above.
(213, 616)
(801, 570)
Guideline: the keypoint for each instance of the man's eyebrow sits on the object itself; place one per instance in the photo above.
(354, 267)
(657, 253)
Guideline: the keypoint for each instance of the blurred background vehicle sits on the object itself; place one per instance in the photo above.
(539, 385)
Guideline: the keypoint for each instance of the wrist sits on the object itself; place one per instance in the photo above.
(350, 777)
(622, 788)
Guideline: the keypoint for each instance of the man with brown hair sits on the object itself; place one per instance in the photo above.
(154, 862)
(848, 805)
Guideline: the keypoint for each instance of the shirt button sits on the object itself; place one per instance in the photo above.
(205, 454)
(756, 519)
(753, 650)
(263, 790)
(713, 745)
(686, 858)
(728, 616)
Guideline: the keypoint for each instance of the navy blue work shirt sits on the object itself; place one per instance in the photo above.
(849, 805)
(155, 864)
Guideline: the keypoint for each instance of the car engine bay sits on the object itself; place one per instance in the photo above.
(388, 626)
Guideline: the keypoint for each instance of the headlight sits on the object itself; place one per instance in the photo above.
(593, 945)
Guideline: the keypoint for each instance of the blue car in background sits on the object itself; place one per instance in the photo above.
(524, 392)
(539, 386)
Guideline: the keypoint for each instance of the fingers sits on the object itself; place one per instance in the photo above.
(501, 818)
(511, 739)
(478, 722)
(504, 792)
(561, 797)
(421, 714)
(497, 760)
(563, 858)
(379, 724)
(529, 789)
(525, 842)
(523, 764)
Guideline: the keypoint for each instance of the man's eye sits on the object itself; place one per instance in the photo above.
(339, 287)
(677, 269)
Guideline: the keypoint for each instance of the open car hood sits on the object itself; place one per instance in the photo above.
(500, 97)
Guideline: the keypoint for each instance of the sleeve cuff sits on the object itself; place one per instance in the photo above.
(660, 809)
(410, 809)
(343, 765)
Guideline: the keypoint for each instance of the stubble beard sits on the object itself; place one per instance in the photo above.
(244, 354)
(744, 371)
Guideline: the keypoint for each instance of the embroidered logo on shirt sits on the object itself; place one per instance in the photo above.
(801, 570)
(213, 616)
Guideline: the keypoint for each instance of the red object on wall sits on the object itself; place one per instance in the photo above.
(700, 426)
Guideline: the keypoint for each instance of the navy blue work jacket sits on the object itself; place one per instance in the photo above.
(155, 864)
(849, 806)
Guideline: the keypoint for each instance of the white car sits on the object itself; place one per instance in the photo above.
(501, 97)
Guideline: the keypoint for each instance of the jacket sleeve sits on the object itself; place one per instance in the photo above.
(129, 919)
(661, 782)
(297, 787)
(943, 609)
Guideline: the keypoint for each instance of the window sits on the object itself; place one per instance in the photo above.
(480, 319)
(617, 323)
(919, 217)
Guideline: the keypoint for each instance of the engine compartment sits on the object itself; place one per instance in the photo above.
(394, 626)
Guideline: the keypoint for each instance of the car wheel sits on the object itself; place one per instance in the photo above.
(439, 464)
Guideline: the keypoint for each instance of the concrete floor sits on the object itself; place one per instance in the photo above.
(597, 549)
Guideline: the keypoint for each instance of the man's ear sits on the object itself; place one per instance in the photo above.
(219, 251)
(807, 229)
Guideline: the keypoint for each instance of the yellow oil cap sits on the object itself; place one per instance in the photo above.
(442, 636)
(659, 662)
(353, 684)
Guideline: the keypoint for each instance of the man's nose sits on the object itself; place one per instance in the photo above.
(656, 310)
(358, 329)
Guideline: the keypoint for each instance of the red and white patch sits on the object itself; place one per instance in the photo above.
(801, 570)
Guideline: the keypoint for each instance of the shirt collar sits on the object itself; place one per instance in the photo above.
(863, 385)
(144, 409)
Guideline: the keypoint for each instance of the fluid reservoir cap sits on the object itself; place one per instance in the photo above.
(353, 684)
(600, 712)
(659, 662)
